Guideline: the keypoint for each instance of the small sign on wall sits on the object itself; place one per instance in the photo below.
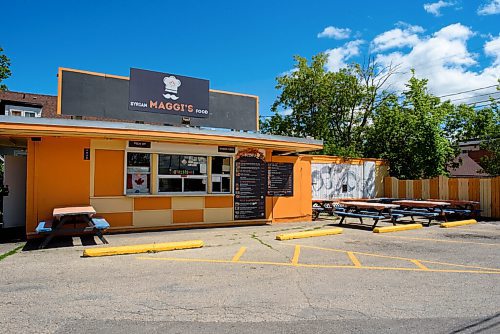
(86, 154)
(227, 149)
(139, 144)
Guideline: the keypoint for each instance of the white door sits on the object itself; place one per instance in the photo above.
(14, 205)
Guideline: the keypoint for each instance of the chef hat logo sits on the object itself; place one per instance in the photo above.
(171, 84)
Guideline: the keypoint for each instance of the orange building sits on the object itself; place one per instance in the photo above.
(154, 176)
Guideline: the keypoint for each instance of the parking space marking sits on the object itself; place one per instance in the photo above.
(440, 240)
(237, 256)
(473, 230)
(289, 264)
(419, 264)
(354, 259)
(400, 258)
(296, 254)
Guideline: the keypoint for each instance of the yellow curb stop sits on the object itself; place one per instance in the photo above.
(397, 228)
(308, 234)
(145, 248)
(459, 223)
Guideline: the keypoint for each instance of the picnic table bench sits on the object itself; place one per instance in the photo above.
(427, 209)
(82, 219)
(375, 211)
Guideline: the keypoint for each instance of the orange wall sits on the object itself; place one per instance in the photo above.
(297, 207)
(108, 179)
(57, 175)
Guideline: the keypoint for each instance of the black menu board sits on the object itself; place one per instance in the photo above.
(250, 188)
(279, 179)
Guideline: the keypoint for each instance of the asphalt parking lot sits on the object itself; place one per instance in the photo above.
(430, 280)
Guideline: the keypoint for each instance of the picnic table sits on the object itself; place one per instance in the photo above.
(363, 209)
(427, 209)
(82, 218)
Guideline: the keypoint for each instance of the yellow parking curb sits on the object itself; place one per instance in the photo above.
(459, 223)
(146, 248)
(308, 234)
(397, 228)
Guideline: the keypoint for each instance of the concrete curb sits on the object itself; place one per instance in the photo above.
(397, 228)
(308, 234)
(145, 248)
(459, 223)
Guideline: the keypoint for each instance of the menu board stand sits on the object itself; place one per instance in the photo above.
(250, 188)
(279, 179)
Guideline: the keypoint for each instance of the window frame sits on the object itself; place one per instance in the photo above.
(150, 173)
(155, 176)
(182, 177)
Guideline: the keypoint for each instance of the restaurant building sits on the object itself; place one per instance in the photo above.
(150, 151)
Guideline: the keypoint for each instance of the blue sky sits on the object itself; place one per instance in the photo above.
(242, 46)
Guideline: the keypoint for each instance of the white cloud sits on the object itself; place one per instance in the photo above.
(493, 7)
(404, 36)
(492, 49)
(444, 59)
(337, 57)
(335, 33)
(435, 7)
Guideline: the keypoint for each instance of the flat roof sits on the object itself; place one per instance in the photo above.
(39, 126)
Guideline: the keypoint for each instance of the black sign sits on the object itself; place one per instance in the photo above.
(227, 149)
(86, 154)
(139, 144)
(168, 93)
(250, 189)
(279, 179)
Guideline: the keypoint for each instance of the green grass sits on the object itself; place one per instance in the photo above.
(9, 253)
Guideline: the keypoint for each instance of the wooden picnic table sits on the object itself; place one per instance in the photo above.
(421, 204)
(358, 209)
(462, 204)
(430, 206)
(58, 213)
(77, 215)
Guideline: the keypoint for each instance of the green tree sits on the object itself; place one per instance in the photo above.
(468, 123)
(409, 133)
(4, 69)
(333, 106)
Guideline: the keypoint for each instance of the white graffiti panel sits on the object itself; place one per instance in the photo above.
(331, 181)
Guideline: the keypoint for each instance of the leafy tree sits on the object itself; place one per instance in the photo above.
(408, 132)
(466, 123)
(333, 106)
(4, 69)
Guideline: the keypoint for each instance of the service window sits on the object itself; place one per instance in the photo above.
(182, 173)
(221, 174)
(138, 173)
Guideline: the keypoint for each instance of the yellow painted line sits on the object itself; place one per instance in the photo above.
(296, 254)
(442, 240)
(237, 256)
(470, 229)
(354, 259)
(397, 228)
(309, 234)
(289, 264)
(399, 258)
(145, 248)
(459, 223)
(419, 264)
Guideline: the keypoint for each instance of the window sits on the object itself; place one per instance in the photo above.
(16, 113)
(221, 174)
(29, 114)
(138, 173)
(182, 173)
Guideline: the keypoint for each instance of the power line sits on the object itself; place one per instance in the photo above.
(491, 101)
(467, 91)
(472, 97)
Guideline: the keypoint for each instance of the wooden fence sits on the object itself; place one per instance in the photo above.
(484, 190)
